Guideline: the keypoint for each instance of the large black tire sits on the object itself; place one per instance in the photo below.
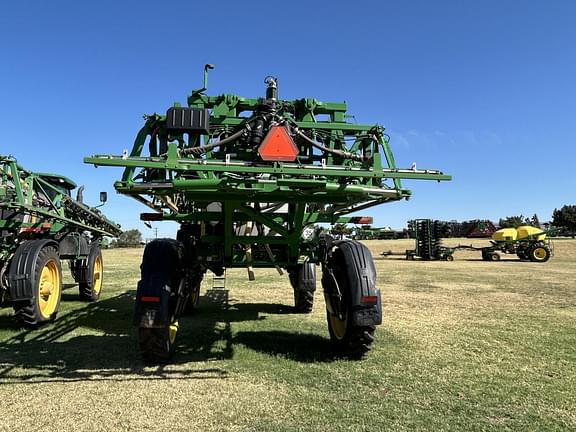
(161, 267)
(91, 271)
(539, 253)
(352, 265)
(486, 254)
(157, 344)
(187, 236)
(303, 281)
(523, 253)
(45, 281)
(194, 281)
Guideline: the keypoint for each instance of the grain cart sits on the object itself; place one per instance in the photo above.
(526, 242)
(41, 225)
(247, 179)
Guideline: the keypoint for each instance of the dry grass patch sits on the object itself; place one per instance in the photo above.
(467, 345)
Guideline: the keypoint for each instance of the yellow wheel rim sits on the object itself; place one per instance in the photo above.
(338, 326)
(49, 289)
(194, 296)
(539, 253)
(172, 331)
(97, 275)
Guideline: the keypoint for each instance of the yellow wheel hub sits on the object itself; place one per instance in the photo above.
(172, 331)
(97, 275)
(49, 289)
(338, 326)
(539, 253)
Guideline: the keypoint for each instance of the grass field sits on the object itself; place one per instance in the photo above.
(465, 345)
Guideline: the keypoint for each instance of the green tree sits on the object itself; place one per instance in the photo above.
(513, 221)
(130, 238)
(565, 218)
(340, 230)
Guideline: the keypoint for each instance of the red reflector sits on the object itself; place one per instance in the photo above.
(31, 230)
(362, 220)
(148, 299)
(278, 146)
(38, 229)
(369, 299)
(151, 216)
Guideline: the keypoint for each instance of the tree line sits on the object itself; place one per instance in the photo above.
(563, 223)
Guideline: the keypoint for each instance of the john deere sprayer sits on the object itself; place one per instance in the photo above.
(249, 180)
(40, 226)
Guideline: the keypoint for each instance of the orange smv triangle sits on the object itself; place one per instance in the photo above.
(278, 146)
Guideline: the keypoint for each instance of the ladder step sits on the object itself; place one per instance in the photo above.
(219, 282)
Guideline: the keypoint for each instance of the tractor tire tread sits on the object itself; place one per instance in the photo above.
(154, 345)
(26, 313)
(161, 258)
(303, 281)
(361, 341)
(85, 284)
(357, 260)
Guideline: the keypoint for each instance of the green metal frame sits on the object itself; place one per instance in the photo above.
(181, 175)
(45, 200)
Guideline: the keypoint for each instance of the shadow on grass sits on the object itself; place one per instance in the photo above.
(209, 335)
(94, 342)
(7, 322)
(98, 342)
(307, 348)
(505, 260)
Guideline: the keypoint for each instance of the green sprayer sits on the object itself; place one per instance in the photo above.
(251, 181)
(41, 225)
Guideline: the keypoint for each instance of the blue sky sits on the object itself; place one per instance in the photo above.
(485, 91)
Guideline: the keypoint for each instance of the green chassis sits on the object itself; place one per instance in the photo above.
(230, 201)
(45, 201)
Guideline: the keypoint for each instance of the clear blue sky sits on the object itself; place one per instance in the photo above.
(485, 91)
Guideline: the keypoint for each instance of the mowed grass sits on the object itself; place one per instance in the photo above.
(465, 345)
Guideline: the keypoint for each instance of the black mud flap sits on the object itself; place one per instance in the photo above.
(153, 302)
(364, 298)
(368, 315)
(157, 289)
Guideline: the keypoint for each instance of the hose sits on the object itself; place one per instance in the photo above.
(344, 154)
(206, 148)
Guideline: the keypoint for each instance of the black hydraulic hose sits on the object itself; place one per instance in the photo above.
(206, 148)
(344, 154)
(153, 144)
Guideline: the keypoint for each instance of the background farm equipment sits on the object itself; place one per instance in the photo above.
(472, 229)
(41, 225)
(428, 237)
(527, 242)
(367, 232)
(247, 179)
